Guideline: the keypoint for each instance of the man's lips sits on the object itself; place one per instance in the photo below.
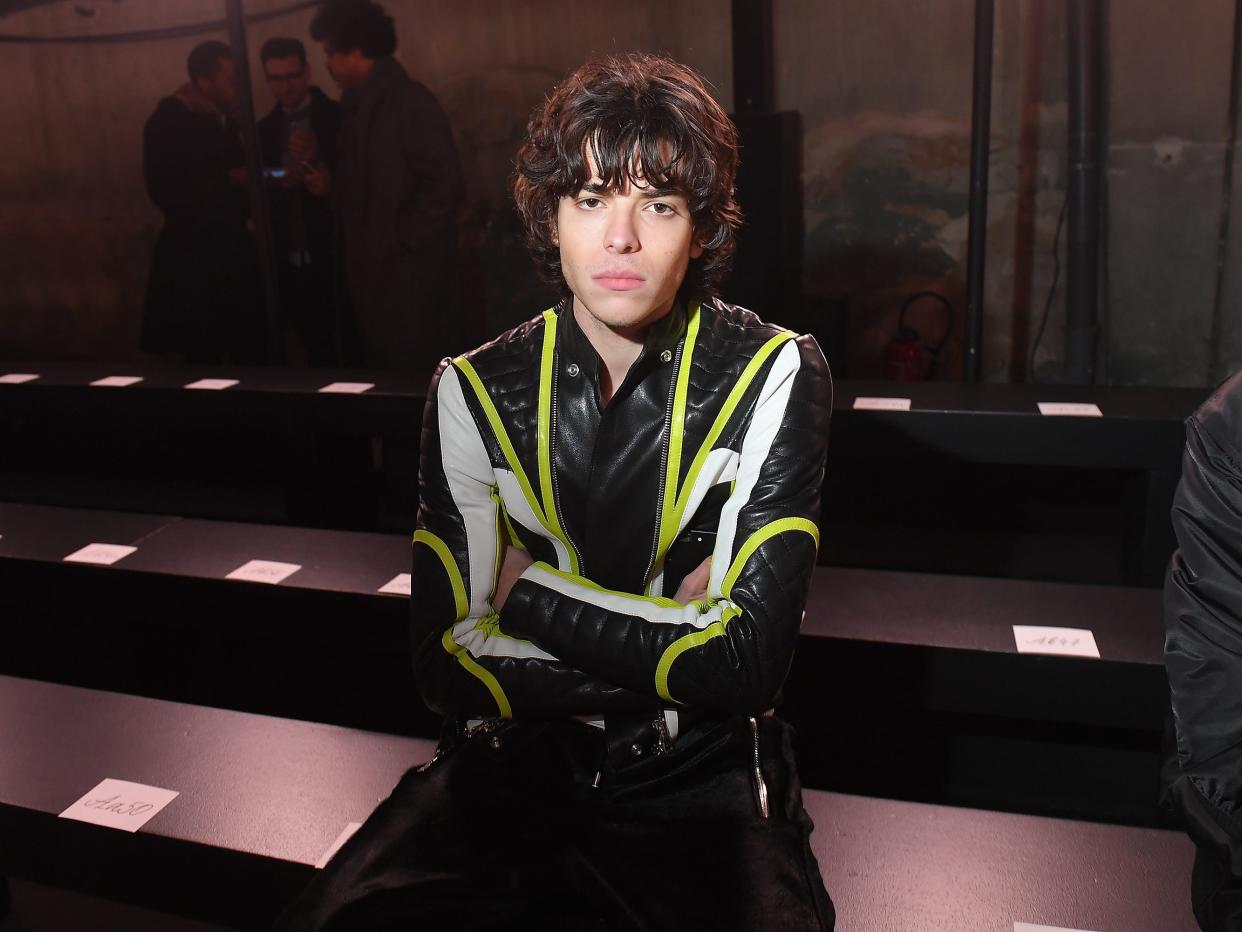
(618, 279)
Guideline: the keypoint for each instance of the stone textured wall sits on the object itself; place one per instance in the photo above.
(883, 87)
(76, 227)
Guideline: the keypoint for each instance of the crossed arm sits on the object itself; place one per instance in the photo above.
(516, 561)
(497, 634)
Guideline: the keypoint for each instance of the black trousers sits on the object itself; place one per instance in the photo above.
(529, 826)
(309, 306)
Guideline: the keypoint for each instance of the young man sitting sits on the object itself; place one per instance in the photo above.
(616, 537)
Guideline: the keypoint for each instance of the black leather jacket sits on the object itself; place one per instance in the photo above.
(1203, 653)
(720, 426)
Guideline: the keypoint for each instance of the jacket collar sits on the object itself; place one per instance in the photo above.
(663, 335)
(385, 72)
(193, 100)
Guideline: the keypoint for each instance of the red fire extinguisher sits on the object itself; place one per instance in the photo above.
(906, 359)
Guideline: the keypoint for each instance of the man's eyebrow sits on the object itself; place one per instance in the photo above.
(593, 187)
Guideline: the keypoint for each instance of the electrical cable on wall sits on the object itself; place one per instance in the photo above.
(149, 35)
(1052, 289)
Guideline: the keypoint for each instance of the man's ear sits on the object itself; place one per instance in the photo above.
(696, 246)
(556, 234)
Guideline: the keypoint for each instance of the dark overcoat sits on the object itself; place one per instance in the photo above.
(397, 189)
(203, 294)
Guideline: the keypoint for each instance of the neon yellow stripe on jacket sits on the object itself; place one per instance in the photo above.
(502, 436)
(461, 605)
(473, 666)
(544, 436)
(462, 608)
(677, 428)
(716, 629)
(668, 530)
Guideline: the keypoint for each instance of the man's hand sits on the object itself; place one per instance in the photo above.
(515, 562)
(694, 586)
(304, 146)
(318, 179)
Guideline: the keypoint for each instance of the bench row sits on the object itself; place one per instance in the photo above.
(924, 476)
(925, 671)
(261, 801)
(951, 612)
(1109, 426)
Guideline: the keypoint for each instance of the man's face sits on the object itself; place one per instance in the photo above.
(624, 253)
(221, 87)
(288, 78)
(348, 69)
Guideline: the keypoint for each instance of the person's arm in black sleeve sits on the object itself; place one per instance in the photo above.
(270, 131)
(732, 650)
(181, 177)
(1203, 655)
(327, 117)
(465, 662)
(430, 157)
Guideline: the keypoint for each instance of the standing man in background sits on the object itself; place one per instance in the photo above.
(396, 191)
(298, 137)
(203, 299)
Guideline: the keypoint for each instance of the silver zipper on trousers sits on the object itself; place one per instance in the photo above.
(664, 740)
(663, 476)
(761, 788)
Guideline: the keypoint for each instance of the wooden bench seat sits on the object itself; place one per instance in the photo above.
(263, 799)
(922, 669)
(273, 447)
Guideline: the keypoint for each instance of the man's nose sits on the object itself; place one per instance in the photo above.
(620, 235)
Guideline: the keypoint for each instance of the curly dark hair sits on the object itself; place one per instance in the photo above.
(355, 24)
(642, 115)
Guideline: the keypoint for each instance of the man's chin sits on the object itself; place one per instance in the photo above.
(623, 311)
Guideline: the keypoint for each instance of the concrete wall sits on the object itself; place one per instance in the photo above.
(883, 87)
(1170, 88)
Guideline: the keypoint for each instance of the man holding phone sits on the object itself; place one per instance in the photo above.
(298, 139)
(615, 540)
(203, 300)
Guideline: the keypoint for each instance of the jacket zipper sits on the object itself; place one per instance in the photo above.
(556, 489)
(668, 429)
(761, 788)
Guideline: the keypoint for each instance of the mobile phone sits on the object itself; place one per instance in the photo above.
(274, 173)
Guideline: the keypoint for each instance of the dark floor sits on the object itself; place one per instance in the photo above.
(37, 908)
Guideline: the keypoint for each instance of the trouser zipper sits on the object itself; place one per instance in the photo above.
(761, 788)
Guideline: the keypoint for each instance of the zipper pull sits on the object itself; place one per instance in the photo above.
(761, 788)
